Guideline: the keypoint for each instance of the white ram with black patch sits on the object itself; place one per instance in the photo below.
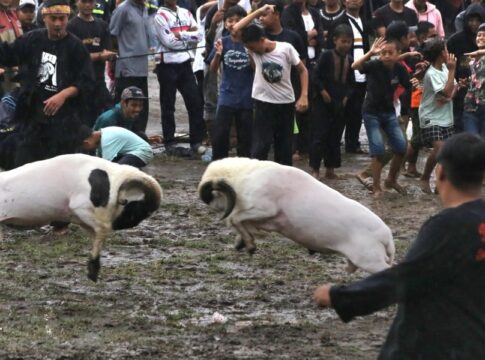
(263, 195)
(96, 194)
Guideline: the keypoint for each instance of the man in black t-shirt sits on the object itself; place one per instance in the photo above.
(56, 79)
(394, 11)
(439, 285)
(94, 34)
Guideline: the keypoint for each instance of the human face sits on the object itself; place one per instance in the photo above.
(26, 15)
(473, 24)
(389, 55)
(56, 25)
(343, 44)
(354, 4)
(269, 19)
(230, 22)
(413, 39)
(132, 108)
(432, 33)
(86, 7)
(481, 39)
(256, 46)
(404, 42)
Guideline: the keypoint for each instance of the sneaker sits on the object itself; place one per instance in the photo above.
(199, 148)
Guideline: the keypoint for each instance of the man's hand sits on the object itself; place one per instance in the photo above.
(218, 17)
(218, 47)
(451, 62)
(312, 34)
(378, 46)
(155, 139)
(53, 104)
(302, 104)
(107, 55)
(476, 54)
(322, 295)
(266, 9)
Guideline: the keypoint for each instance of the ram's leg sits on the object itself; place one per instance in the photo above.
(239, 242)
(1, 232)
(247, 238)
(94, 263)
(350, 268)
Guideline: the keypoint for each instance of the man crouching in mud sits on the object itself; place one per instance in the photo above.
(439, 286)
(55, 75)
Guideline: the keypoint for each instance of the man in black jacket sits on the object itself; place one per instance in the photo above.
(439, 285)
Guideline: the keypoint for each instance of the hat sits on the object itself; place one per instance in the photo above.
(56, 7)
(397, 29)
(481, 27)
(24, 3)
(132, 92)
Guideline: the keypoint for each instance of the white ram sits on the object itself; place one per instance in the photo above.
(263, 195)
(99, 195)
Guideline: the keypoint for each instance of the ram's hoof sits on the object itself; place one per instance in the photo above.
(240, 245)
(93, 269)
(311, 252)
(251, 249)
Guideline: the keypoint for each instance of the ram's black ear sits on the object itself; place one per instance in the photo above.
(99, 181)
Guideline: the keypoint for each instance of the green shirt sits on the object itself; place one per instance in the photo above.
(116, 141)
(432, 112)
(113, 117)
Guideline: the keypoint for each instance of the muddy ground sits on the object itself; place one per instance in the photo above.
(161, 283)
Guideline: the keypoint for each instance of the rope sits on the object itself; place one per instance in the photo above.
(161, 52)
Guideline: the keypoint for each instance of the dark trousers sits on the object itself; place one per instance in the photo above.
(273, 124)
(327, 126)
(353, 115)
(142, 83)
(221, 128)
(173, 77)
(101, 102)
(131, 160)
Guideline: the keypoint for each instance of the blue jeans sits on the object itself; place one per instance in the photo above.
(474, 122)
(386, 122)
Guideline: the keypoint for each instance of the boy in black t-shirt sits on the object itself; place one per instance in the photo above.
(94, 34)
(383, 77)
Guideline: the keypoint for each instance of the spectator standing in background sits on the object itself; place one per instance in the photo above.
(10, 29)
(129, 25)
(428, 12)
(26, 15)
(94, 34)
(330, 12)
(394, 11)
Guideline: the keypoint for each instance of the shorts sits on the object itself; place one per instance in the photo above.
(436, 133)
(387, 123)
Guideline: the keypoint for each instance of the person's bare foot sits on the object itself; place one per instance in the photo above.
(364, 180)
(315, 174)
(376, 192)
(388, 184)
(330, 175)
(424, 185)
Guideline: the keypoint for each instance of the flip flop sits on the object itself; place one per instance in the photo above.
(367, 182)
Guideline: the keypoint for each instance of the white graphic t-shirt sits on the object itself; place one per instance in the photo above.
(272, 81)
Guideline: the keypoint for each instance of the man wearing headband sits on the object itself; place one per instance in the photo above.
(56, 77)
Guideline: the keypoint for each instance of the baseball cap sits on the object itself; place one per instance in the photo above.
(24, 3)
(132, 92)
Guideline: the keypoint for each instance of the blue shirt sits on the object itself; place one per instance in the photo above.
(117, 141)
(237, 76)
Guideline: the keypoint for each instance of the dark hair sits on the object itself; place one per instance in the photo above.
(396, 43)
(252, 33)
(235, 10)
(423, 27)
(433, 49)
(279, 5)
(343, 30)
(84, 132)
(396, 30)
(463, 159)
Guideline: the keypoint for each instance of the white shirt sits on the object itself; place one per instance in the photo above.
(358, 46)
(272, 83)
(309, 25)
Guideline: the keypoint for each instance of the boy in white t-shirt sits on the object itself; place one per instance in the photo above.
(274, 98)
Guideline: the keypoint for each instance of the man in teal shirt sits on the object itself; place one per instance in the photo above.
(118, 145)
(126, 113)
